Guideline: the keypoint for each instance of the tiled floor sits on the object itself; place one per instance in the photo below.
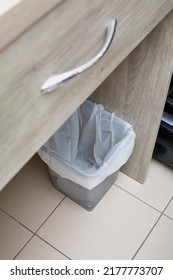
(132, 221)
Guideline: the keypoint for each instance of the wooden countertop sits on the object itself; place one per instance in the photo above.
(28, 55)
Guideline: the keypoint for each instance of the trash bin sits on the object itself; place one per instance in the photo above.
(86, 153)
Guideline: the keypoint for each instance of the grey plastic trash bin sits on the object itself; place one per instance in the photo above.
(86, 153)
(88, 199)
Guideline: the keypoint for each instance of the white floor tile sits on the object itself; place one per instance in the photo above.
(37, 249)
(158, 188)
(13, 237)
(169, 210)
(159, 244)
(114, 230)
(30, 196)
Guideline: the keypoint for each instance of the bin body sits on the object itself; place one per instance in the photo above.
(88, 199)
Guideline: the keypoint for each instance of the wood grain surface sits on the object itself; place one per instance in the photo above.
(20, 16)
(137, 90)
(63, 39)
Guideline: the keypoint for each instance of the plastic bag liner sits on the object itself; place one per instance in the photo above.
(91, 145)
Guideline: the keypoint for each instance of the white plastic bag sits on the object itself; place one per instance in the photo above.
(91, 145)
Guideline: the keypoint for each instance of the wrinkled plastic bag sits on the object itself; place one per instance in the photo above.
(91, 145)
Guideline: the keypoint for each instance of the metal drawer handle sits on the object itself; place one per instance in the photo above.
(56, 81)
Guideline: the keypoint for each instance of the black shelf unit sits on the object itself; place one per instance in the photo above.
(163, 150)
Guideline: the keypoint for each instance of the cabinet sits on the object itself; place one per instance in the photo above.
(131, 79)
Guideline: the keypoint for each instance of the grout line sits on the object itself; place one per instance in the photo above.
(168, 217)
(139, 199)
(43, 224)
(23, 247)
(146, 237)
(26, 226)
(34, 234)
(52, 246)
(50, 214)
(151, 230)
(16, 220)
(168, 204)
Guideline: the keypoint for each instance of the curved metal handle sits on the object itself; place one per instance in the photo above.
(56, 81)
